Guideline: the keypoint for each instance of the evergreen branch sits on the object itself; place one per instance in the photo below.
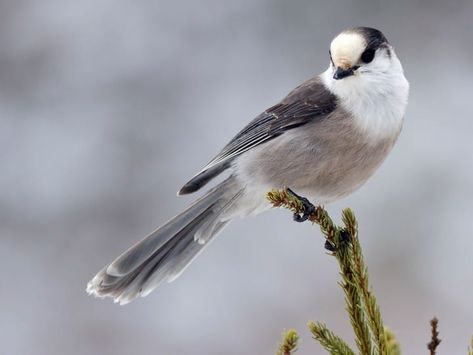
(392, 345)
(435, 341)
(373, 313)
(283, 198)
(331, 342)
(372, 338)
(288, 344)
(354, 305)
(340, 243)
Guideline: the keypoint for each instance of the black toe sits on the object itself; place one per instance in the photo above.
(309, 208)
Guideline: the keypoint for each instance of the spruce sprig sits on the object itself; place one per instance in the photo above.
(340, 241)
(331, 342)
(371, 336)
(375, 320)
(392, 344)
(288, 344)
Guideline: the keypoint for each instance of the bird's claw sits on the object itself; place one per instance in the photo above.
(330, 247)
(345, 236)
(309, 208)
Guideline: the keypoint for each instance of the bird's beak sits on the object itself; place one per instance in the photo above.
(343, 73)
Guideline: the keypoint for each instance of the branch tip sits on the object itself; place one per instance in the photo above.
(434, 340)
(289, 342)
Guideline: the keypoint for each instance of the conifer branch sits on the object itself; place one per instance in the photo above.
(353, 302)
(331, 342)
(283, 198)
(375, 320)
(340, 243)
(288, 344)
(434, 341)
(392, 345)
(371, 337)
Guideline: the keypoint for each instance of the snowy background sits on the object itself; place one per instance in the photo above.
(108, 107)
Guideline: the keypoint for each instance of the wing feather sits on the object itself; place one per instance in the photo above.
(308, 102)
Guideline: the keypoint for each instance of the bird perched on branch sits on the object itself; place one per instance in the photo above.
(324, 140)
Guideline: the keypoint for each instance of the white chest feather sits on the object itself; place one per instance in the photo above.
(376, 101)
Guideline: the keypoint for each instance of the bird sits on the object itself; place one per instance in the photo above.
(323, 140)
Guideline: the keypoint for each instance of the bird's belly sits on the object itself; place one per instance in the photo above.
(323, 169)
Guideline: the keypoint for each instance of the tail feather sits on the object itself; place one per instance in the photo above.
(142, 250)
(165, 253)
(210, 229)
(179, 264)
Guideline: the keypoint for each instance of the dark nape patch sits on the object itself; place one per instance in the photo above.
(374, 38)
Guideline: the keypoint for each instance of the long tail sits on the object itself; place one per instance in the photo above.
(165, 253)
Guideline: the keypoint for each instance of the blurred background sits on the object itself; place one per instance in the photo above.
(108, 107)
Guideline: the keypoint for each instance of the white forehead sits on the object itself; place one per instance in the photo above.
(346, 48)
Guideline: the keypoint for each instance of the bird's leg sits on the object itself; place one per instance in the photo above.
(309, 208)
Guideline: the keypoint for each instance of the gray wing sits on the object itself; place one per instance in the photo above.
(308, 102)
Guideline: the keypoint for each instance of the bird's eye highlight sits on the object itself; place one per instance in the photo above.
(368, 55)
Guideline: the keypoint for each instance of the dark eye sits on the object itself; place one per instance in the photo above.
(368, 55)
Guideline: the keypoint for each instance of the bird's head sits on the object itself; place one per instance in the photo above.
(367, 78)
(361, 51)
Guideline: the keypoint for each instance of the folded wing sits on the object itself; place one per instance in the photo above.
(308, 102)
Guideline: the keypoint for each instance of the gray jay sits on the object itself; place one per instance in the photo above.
(324, 140)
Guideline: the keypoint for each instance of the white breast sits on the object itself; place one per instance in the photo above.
(377, 101)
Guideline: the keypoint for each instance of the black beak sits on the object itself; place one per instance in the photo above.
(341, 73)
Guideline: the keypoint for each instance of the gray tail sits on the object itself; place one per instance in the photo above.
(165, 253)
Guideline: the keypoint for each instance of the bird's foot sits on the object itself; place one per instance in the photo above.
(345, 237)
(309, 208)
